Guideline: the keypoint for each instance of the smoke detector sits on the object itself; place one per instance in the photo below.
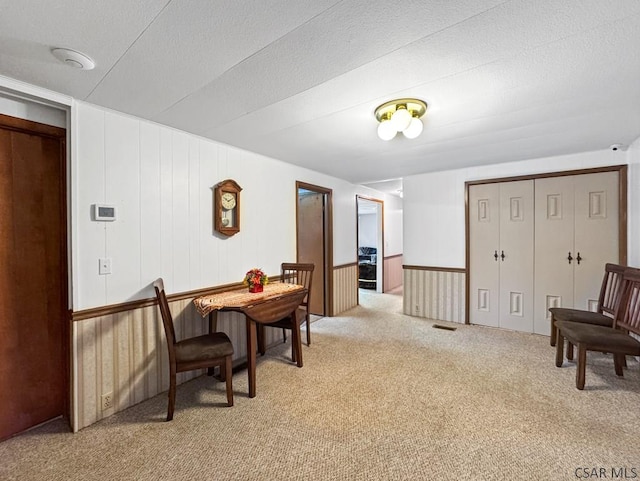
(73, 58)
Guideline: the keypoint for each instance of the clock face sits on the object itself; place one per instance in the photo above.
(228, 201)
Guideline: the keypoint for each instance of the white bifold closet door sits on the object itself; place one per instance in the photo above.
(576, 234)
(484, 231)
(501, 226)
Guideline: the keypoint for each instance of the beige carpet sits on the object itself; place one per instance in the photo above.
(382, 396)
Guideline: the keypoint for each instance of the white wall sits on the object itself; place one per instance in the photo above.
(393, 219)
(26, 101)
(633, 214)
(434, 203)
(393, 207)
(367, 230)
(161, 179)
(24, 109)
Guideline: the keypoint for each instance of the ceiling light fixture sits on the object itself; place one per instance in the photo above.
(73, 58)
(402, 115)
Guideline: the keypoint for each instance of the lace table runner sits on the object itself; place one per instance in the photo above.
(241, 297)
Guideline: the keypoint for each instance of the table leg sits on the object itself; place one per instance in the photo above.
(295, 338)
(213, 327)
(213, 321)
(251, 356)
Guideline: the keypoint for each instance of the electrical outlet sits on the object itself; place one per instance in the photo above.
(107, 400)
(104, 266)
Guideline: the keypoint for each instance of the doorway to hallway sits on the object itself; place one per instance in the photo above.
(314, 241)
(370, 243)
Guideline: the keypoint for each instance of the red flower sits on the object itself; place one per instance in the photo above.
(255, 276)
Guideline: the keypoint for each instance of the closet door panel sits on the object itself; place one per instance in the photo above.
(554, 232)
(516, 267)
(596, 233)
(484, 230)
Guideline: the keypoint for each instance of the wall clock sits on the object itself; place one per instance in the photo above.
(227, 207)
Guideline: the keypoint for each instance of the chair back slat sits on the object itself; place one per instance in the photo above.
(611, 289)
(167, 319)
(298, 273)
(629, 317)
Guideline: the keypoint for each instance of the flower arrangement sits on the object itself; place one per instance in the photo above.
(255, 279)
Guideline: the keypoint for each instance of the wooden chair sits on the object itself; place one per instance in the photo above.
(610, 294)
(206, 351)
(293, 273)
(301, 274)
(286, 307)
(615, 339)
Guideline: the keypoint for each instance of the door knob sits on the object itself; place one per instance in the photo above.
(502, 256)
(495, 255)
(578, 258)
(569, 258)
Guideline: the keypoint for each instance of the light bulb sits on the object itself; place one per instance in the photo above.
(414, 129)
(401, 119)
(386, 131)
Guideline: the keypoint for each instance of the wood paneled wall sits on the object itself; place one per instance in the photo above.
(125, 354)
(435, 293)
(393, 273)
(345, 288)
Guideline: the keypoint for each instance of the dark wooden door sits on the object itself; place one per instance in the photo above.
(311, 244)
(33, 275)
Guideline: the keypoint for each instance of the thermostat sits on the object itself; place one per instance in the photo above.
(103, 212)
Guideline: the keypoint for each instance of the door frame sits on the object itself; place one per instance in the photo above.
(328, 239)
(622, 211)
(43, 130)
(379, 237)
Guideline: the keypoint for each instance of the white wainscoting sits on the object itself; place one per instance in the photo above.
(345, 288)
(434, 293)
(125, 354)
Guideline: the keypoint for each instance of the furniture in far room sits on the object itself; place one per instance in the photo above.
(206, 351)
(367, 267)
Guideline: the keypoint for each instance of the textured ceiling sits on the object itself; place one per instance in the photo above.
(299, 80)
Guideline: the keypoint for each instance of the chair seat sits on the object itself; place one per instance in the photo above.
(600, 338)
(200, 348)
(576, 315)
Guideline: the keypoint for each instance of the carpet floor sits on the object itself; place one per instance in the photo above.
(381, 396)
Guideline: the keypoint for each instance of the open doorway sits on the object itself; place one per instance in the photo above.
(314, 242)
(370, 243)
